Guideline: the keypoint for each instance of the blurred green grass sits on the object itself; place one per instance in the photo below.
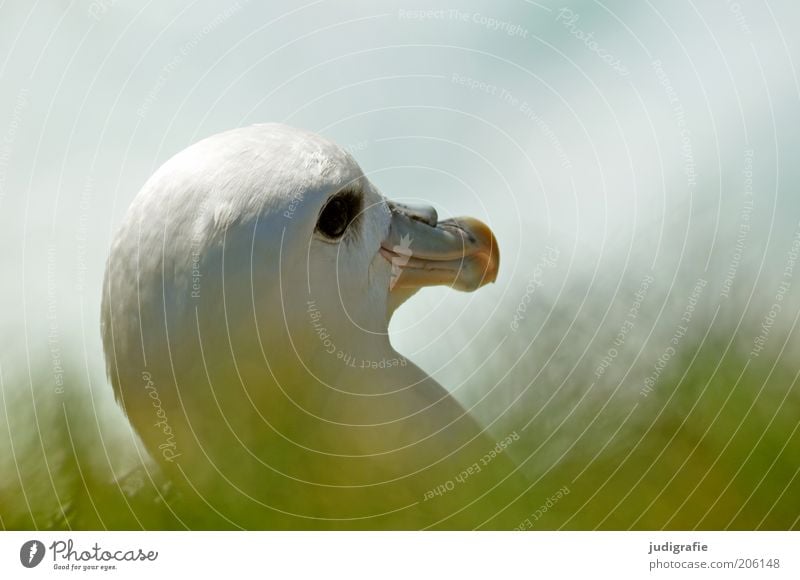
(714, 446)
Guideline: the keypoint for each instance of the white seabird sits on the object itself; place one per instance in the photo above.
(246, 303)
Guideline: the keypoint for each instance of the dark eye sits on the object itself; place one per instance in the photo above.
(338, 213)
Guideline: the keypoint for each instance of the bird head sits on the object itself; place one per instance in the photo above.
(255, 274)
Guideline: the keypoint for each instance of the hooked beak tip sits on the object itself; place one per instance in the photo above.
(490, 251)
(460, 252)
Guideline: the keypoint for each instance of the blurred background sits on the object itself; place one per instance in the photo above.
(637, 162)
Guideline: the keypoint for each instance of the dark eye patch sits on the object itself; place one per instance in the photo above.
(338, 213)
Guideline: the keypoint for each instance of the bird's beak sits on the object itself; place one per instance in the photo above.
(460, 252)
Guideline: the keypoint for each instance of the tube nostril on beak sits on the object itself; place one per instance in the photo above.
(419, 212)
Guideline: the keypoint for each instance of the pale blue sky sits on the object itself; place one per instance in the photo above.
(502, 110)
